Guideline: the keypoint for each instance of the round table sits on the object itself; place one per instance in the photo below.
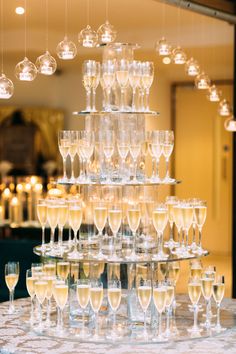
(15, 337)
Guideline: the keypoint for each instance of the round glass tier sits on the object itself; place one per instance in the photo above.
(105, 113)
(94, 182)
(122, 256)
(131, 332)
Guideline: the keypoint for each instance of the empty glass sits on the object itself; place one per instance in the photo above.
(89, 72)
(147, 80)
(135, 150)
(108, 70)
(167, 148)
(135, 73)
(72, 151)
(122, 77)
(108, 144)
(87, 144)
(123, 146)
(64, 145)
(95, 84)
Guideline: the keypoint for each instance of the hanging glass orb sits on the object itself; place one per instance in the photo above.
(178, 56)
(230, 124)
(66, 49)
(166, 60)
(88, 37)
(6, 87)
(46, 64)
(106, 33)
(214, 94)
(224, 108)
(202, 81)
(192, 67)
(25, 70)
(163, 47)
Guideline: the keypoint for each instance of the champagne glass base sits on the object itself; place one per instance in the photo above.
(160, 256)
(160, 339)
(218, 329)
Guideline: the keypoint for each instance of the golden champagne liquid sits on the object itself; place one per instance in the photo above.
(96, 296)
(108, 79)
(200, 215)
(63, 270)
(86, 269)
(42, 213)
(134, 80)
(123, 150)
(114, 297)
(122, 77)
(218, 292)
(187, 217)
(135, 150)
(173, 273)
(194, 292)
(196, 273)
(72, 149)
(74, 270)
(144, 296)
(100, 217)
(11, 280)
(52, 215)
(164, 268)
(159, 218)
(170, 208)
(147, 81)
(75, 217)
(207, 287)
(49, 287)
(159, 298)
(167, 149)
(144, 148)
(114, 218)
(170, 295)
(83, 293)
(61, 295)
(40, 287)
(88, 81)
(63, 213)
(178, 216)
(30, 286)
(134, 216)
(49, 269)
(64, 146)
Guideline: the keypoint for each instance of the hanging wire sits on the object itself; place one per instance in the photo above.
(88, 9)
(106, 10)
(25, 26)
(163, 17)
(46, 25)
(66, 17)
(2, 36)
(178, 24)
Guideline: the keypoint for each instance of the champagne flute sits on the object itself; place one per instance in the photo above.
(12, 270)
(187, 212)
(108, 70)
(195, 268)
(149, 142)
(40, 286)
(30, 280)
(135, 73)
(87, 146)
(83, 295)
(89, 76)
(159, 299)
(200, 215)
(108, 144)
(167, 148)
(73, 151)
(173, 275)
(42, 216)
(122, 77)
(100, 219)
(135, 150)
(208, 279)
(63, 270)
(193, 246)
(160, 218)
(147, 80)
(134, 217)
(75, 220)
(178, 220)
(218, 294)
(63, 214)
(114, 220)
(96, 297)
(114, 298)
(123, 146)
(144, 297)
(60, 293)
(82, 159)
(194, 292)
(64, 144)
(157, 149)
(52, 218)
(49, 279)
(170, 202)
(170, 286)
(95, 83)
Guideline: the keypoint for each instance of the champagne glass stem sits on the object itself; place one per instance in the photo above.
(108, 99)
(153, 168)
(48, 311)
(122, 99)
(133, 100)
(167, 170)
(40, 317)
(96, 324)
(171, 233)
(83, 320)
(218, 326)
(208, 319)
(168, 321)
(195, 326)
(135, 170)
(142, 100)
(114, 321)
(11, 300)
(43, 236)
(200, 238)
(147, 101)
(100, 254)
(60, 237)
(88, 99)
(64, 169)
(145, 322)
(186, 238)
(134, 245)
(160, 325)
(72, 169)
(31, 310)
(52, 238)
(157, 169)
(194, 234)
(94, 101)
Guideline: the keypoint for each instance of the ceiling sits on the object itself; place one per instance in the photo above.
(141, 21)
